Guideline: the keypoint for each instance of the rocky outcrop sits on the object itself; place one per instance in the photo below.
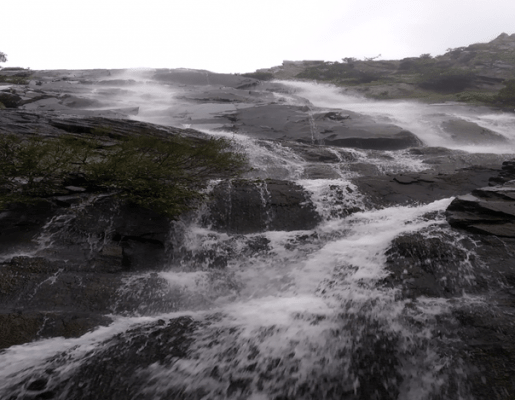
(467, 133)
(67, 259)
(489, 210)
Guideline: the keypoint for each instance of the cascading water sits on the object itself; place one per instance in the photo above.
(279, 315)
(425, 120)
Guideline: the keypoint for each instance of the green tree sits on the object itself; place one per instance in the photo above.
(3, 57)
(166, 175)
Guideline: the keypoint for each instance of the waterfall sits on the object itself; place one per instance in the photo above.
(277, 314)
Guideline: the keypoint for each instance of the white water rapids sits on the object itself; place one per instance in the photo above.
(311, 308)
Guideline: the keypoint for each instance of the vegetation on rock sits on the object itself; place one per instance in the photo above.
(262, 76)
(473, 73)
(506, 95)
(162, 174)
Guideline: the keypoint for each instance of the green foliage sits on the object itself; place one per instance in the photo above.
(506, 95)
(336, 72)
(165, 175)
(15, 80)
(446, 79)
(476, 97)
(3, 57)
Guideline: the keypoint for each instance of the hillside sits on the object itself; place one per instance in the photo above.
(472, 73)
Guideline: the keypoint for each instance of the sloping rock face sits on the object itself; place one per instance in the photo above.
(74, 266)
(466, 132)
(141, 348)
(304, 124)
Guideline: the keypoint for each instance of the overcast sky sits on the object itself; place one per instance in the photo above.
(238, 35)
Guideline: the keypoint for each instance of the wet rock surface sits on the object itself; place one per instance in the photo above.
(309, 125)
(116, 373)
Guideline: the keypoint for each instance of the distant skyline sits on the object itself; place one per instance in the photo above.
(236, 36)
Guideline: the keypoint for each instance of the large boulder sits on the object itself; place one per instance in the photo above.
(243, 206)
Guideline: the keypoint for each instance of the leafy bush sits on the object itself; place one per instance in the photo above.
(165, 175)
(16, 80)
(476, 97)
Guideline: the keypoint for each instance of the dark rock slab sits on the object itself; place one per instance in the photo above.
(489, 210)
(42, 297)
(21, 223)
(242, 206)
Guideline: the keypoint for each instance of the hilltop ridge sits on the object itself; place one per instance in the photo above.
(459, 74)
